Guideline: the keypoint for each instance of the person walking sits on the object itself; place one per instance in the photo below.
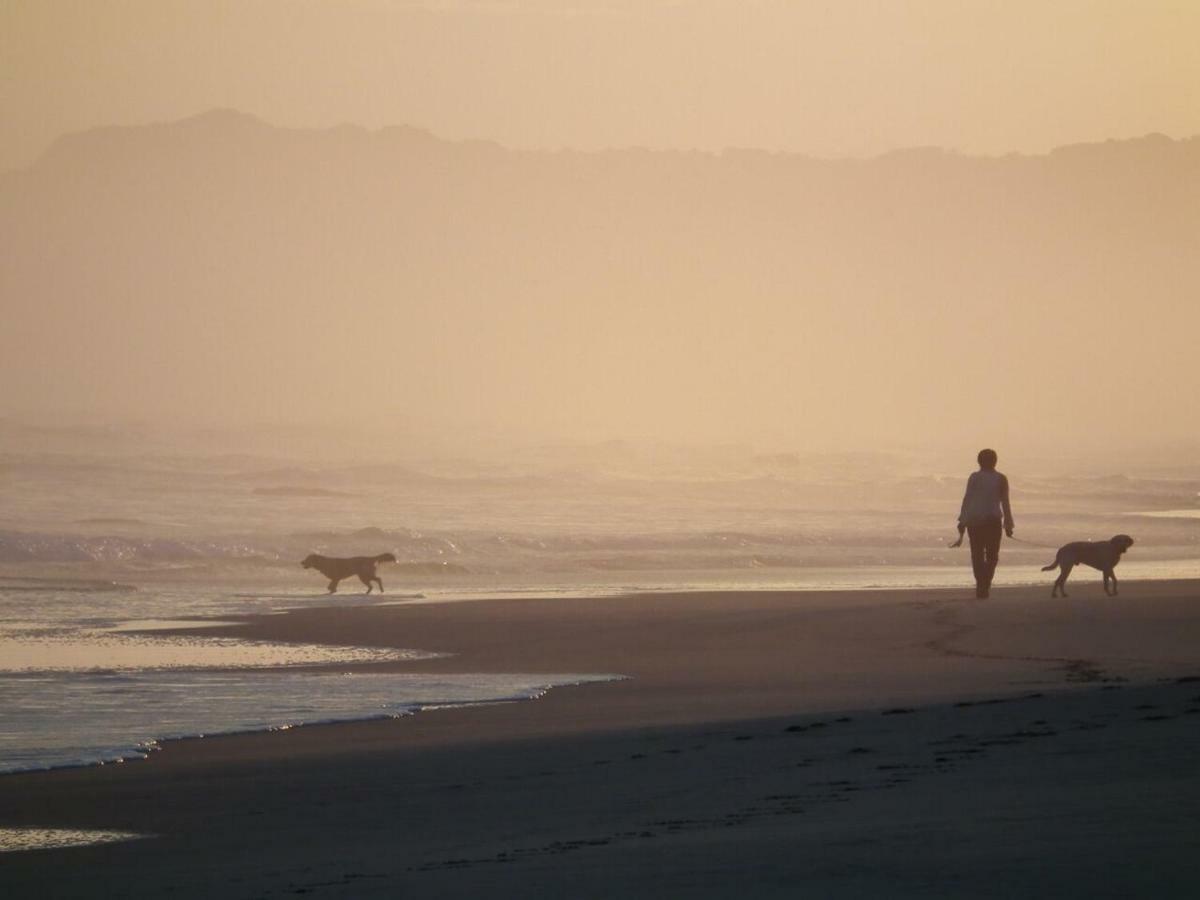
(985, 510)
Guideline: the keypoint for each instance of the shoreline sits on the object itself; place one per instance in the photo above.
(721, 687)
(308, 625)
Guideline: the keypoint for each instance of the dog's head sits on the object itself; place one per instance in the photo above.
(1121, 543)
(310, 561)
(386, 557)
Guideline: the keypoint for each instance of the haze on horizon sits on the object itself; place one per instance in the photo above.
(231, 268)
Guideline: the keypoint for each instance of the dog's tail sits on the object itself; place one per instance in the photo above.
(385, 557)
(1053, 565)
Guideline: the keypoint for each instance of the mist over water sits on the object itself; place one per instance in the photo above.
(157, 503)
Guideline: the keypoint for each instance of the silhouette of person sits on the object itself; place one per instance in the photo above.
(985, 509)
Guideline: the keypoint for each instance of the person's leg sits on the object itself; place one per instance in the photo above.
(976, 535)
(992, 551)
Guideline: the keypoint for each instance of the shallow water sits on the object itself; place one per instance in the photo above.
(55, 719)
(79, 686)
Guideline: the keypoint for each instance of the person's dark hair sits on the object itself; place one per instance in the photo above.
(987, 458)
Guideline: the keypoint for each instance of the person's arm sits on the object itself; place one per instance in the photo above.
(962, 510)
(961, 530)
(1006, 506)
(962, 513)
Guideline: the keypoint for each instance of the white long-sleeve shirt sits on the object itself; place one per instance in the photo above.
(986, 499)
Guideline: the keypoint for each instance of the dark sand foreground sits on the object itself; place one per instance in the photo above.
(882, 744)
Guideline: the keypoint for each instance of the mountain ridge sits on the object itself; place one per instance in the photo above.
(227, 123)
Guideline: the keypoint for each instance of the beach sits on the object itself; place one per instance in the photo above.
(867, 743)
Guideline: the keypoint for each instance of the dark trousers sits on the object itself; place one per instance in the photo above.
(985, 551)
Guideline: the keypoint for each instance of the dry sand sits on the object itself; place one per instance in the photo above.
(885, 744)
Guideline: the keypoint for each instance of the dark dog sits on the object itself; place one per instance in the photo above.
(336, 569)
(1102, 555)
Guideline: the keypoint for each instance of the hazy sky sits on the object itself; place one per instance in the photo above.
(222, 269)
(828, 77)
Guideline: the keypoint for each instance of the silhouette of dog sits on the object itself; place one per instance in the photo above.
(1102, 555)
(336, 569)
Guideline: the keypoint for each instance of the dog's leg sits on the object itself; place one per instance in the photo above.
(1110, 575)
(379, 581)
(365, 579)
(333, 583)
(1061, 584)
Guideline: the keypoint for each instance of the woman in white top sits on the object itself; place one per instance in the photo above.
(985, 509)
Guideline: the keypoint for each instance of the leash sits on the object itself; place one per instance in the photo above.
(1033, 543)
(958, 543)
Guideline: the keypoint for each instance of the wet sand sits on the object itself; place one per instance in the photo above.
(766, 744)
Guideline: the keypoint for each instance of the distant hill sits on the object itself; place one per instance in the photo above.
(225, 268)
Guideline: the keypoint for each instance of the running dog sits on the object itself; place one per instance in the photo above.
(1102, 555)
(336, 569)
